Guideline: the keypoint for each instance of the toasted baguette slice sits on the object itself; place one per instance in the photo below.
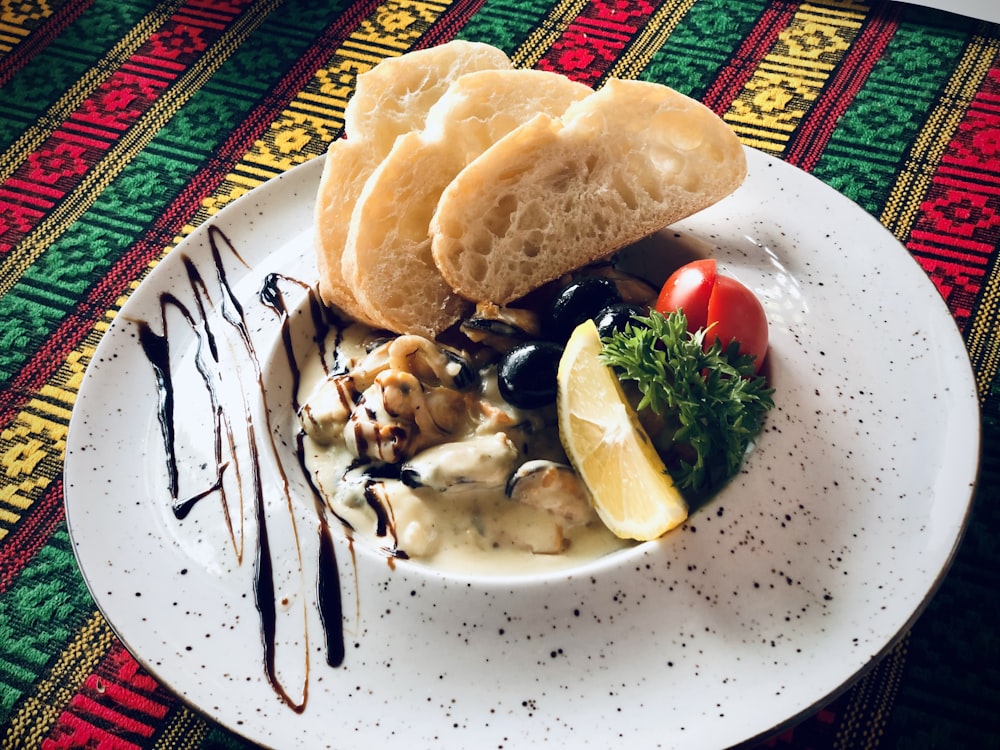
(392, 98)
(387, 258)
(557, 193)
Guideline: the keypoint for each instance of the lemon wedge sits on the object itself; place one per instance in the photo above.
(629, 486)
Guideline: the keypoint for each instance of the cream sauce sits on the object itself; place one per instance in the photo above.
(460, 518)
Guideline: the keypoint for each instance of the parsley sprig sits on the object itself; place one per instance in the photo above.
(710, 401)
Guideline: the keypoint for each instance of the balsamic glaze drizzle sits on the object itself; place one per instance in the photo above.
(156, 347)
(328, 594)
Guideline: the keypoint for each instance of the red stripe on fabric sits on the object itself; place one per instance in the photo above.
(119, 693)
(214, 8)
(449, 23)
(152, 62)
(122, 695)
(83, 705)
(24, 190)
(75, 733)
(31, 533)
(932, 242)
(594, 41)
(13, 206)
(607, 26)
(117, 697)
(737, 71)
(810, 139)
(963, 178)
(962, 206)
(201, 23)
(73, 131)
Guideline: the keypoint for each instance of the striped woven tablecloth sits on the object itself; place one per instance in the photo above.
(125, 124)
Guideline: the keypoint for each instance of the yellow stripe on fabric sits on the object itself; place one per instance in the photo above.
(11, 35)
(33, 445)
(546, 33)
(34, 718)
(914, 181)
(985, 328)
(94, 76)
(787, 81)
(186, 731)
(31, 450)
(96, 180)
(650, 39)
(865, 717)
(315, 116)
(11, 29)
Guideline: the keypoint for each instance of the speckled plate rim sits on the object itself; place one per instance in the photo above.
(530, 679)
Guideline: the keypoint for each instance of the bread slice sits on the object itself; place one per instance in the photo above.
(557, 193)
(392, 98)
(387, 258)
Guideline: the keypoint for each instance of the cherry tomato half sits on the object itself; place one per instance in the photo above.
(708, 298)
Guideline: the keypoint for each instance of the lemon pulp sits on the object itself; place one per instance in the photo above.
(629, 486)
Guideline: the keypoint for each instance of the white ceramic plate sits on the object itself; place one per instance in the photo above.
(777, 594)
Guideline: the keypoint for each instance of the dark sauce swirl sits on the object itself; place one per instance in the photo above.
(156, 347)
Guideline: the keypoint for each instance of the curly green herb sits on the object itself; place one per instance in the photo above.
(710, 401)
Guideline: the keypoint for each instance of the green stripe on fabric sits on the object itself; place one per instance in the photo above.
(48, 591)
(151, 180)
(700, 45)
(546, 32)
(866, 150)
(641, 49)
(505, 23)
(36, 87)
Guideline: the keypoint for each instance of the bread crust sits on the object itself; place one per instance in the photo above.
(558, 193)
(390, 99)
(387, 259)
(466, 181)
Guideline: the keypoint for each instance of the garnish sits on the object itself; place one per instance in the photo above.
(710, 401)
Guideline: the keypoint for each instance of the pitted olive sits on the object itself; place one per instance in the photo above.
(526, 374)
(577, 302)
(614, 318)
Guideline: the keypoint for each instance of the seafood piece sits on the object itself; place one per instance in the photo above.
(477, 464)
(633, 289)
(396, 417)
(554, 488)
(413, 522)
(431, 363)
(500, 327)
(525, 528)
(328, 408)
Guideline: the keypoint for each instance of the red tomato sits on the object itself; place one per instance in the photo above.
(689, 289)
(710, 299)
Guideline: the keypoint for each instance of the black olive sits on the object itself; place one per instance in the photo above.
(526, 374)
(576, 303)
(613, 318)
